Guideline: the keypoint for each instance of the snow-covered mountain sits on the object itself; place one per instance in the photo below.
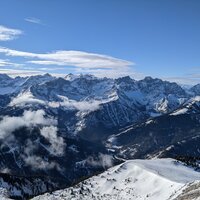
(196, 89)
(10, 85)
(73, 127)
(163, 179)
(174, 134)
(98, 103)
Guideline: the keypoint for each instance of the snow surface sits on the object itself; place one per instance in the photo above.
(180, 112)
(158, 179)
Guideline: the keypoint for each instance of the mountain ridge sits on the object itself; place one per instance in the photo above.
(73, 127)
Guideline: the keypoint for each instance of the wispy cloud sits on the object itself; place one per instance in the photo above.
(25, 98)
(103, 160)
(190, 79)
(57, 145)
(111, 72)
(20, 72)
(35, 161)
(80, 60)
(34, 20)
(29, 119)
(48, 130)
(8, 33)
(70, 58)
(6, 62)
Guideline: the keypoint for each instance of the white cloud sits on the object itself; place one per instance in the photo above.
(33, 20)
(57, 143)
(20, 72)
(29, 119)
(103, 160)
(8, 33)
(78, 105)
(36, 162)
(10, 52)
(78, 59)
(81, 62)
(37, 118)
(6, 62)
(82, 105)
(5, 170)
(112, 73)
(191, 79)
(25, 98)
(28, 98)
(86, 105)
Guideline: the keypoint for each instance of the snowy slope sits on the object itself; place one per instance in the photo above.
(190, 106)
(159, 179)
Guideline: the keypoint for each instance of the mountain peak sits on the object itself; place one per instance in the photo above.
(5, 77)
(47, 75)
(148, 78)
(72, 77)
(125, 79)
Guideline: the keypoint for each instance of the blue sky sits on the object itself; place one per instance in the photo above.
(160, 38)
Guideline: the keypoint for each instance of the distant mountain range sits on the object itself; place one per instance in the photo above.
(67, 129)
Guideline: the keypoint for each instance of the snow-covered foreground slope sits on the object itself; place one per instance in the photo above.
(159, 179)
